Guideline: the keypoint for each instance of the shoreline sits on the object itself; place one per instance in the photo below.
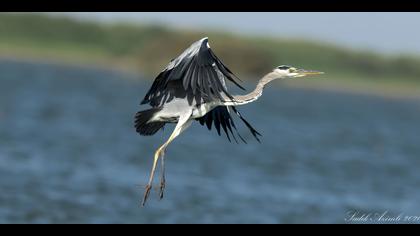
(403, 91)
(345, 87)
(104, 64)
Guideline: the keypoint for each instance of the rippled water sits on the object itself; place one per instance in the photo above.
(69, 154)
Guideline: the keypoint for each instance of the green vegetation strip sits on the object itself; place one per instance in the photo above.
(147, 49)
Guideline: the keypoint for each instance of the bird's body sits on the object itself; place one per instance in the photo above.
(172, 110)
(193, 88)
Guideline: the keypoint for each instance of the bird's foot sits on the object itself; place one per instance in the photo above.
(146, 194)
(162, 187)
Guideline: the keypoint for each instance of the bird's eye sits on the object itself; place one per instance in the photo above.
(283, 67)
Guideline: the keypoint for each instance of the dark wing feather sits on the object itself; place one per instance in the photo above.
(200, 72)
(253, 131)
(221, 118)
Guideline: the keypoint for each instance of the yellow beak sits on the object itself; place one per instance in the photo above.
(309, 72)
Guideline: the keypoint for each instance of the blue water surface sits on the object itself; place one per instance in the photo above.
(69, 154)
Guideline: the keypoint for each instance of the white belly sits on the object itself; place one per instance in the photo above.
(202, 110)
(179, 107)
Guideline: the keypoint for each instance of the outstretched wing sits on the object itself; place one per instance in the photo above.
(221, 118)
(200, 72)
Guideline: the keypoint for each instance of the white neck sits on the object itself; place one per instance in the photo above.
(252, 96)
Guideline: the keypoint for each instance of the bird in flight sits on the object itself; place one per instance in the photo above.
(193, 88)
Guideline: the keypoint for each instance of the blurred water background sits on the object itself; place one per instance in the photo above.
(69, 153)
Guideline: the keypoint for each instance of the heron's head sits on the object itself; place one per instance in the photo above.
(292, 72)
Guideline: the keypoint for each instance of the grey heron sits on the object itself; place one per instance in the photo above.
(193, 88)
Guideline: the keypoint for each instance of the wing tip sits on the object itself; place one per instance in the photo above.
(205, 40)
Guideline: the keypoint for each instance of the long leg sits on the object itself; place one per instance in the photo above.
(183, 123)
(162, 176)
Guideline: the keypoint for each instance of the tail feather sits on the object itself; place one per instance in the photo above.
(144, 124)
